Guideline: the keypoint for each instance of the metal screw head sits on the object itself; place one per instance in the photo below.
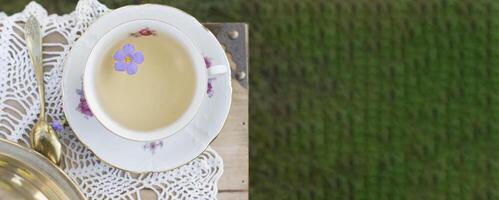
(240, 75)
(233, 34)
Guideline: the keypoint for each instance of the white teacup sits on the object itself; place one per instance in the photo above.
(146, 97)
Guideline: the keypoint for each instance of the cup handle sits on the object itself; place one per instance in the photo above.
(217, 70)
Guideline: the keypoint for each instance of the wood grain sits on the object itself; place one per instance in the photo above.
(233, 195)
(232, 142)
(232, 145)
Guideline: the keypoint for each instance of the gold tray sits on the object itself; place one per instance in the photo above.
(26, 174)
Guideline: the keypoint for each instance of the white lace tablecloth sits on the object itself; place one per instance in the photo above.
(19, 111)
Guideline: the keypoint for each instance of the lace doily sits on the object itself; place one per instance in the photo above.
(19, 111)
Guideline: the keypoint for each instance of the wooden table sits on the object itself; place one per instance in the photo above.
(232, 142)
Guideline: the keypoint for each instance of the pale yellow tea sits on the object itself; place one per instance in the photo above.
(147, 81)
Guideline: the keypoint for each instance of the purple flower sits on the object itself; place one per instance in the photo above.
(153, 146)
(83, 106)
(57, 126)
(207, 62)
(209, 89)
(127, 59)
(144, 32)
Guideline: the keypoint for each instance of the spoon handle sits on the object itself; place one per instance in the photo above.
(34, 43)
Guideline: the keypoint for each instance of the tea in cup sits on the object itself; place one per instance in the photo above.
(145, 80)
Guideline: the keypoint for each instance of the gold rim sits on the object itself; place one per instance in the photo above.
(197, 154)
(33, 156)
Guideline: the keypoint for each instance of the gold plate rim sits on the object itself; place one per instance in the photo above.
(41, 164)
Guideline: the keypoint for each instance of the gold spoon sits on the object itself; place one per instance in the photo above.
(42, 138)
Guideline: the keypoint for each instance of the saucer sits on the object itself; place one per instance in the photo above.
(160, 155)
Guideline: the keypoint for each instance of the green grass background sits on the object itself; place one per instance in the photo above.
(365, 99)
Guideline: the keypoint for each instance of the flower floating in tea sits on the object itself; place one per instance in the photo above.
(127, 59)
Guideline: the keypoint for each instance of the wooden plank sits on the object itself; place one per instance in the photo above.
(147, 195)
(232, 144)
(233, 195)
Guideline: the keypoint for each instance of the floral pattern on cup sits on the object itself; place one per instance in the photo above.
(209, 89)
(127, 59)
(153, 146)
(144, 32)
(83, 105)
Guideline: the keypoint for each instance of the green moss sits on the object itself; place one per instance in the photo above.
(365, 99)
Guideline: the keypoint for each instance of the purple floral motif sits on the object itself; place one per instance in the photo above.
(144, 32)
(209, 89)
(83, 106)
(127, 59)
(153, 146)
(207, 62)
(57, 126)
